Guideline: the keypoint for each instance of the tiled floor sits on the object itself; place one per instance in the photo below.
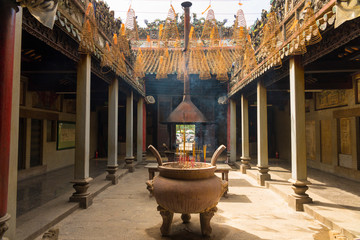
(36, 191)
(339, 190)
(125, 211)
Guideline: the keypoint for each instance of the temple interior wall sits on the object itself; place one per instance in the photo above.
(332, 131)
(282, 131)
(42, 109)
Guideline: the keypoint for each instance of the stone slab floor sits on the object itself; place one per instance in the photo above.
(125, 211)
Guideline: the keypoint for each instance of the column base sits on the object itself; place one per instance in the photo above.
(299, 197)
(144, 156)
(245, 164)
(129, 163)
(263, 175)
(227, 157)
(112, 176)
(3, 225)
(81, 195)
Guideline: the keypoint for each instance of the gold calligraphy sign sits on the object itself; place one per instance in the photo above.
(330, 99)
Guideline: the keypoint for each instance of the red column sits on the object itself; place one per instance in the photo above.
(7, 38)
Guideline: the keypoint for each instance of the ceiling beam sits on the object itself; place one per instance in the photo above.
(49, 72)
(332, 71)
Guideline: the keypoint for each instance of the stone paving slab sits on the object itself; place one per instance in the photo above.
(125, 211)
(341, 216)
(33, 223)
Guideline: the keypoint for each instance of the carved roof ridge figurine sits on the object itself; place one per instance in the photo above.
(43, 10)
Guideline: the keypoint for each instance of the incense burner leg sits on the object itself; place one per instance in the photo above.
(205, 218)
(185, 217)
(167, 217)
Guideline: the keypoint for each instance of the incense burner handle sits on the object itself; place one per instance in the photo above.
(156, 154)
(216, 154)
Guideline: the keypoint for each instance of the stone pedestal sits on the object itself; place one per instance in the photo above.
(263, 175)
(3, 225)
(299, 197)
(245, 164)
(112, 176)
(82, 196)
(144, 156)
(129, 163)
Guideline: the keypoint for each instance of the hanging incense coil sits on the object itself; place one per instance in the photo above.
(120, 65)
(131, 26)
(204, 69)
(170, 33)
(89, 34)
(139, 65)
(106, 60)
(192, 38)
(221, 68)
(238, 29)
(211, 60)
(195, 61)
(249, 62)
(210, 33)
(123, 41)
(115, 49)
(164, 65)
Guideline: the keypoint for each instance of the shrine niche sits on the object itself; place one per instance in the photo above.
(330, 99)
(310, 140)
